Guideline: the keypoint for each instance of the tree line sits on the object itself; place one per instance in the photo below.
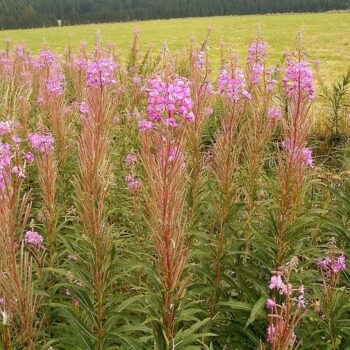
(39, 13)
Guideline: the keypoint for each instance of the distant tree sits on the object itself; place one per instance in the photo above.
(36, 13)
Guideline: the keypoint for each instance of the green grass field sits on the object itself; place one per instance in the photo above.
(326, 36)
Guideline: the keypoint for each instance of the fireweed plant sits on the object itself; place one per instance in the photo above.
(155, 201)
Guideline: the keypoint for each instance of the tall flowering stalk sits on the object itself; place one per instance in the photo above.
(51, 99)
(262, 116)
(293, 160)
(294, 157)
(43, 146)
(226, 152)
(92, 184)
(162, 154)
(19, 305)
(202, 93)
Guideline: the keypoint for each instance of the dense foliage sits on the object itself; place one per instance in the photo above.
(38, 13)
(149, 202)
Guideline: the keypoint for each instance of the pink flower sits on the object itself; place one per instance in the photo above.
(132, 182)
(286, 289)
(339, 264)
(303, 154)
(46, 58)
(55, 85)
(42, 143)
(301, 301)
(171, 122)
(5, 161)
(233, 86)
(18, 171)
(199, 59)
(276, 282)
(80, 64)
(274, 113)
(144, 125)
(6, 127)
(257, 52)
(16, 139)
(298, 79)
(271, 330)
(208, 111)
(83, 108)
(136, 80)
(33, 238)
(257, 72)
(100, 73)
(270, 303)
(5, 156)
(331, 265)
(307, 154)
(168, 100)
(131, 159)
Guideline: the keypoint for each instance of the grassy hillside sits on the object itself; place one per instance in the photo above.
(326, 35)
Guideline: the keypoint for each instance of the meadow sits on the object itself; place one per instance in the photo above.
(326, 35)
(187, 197)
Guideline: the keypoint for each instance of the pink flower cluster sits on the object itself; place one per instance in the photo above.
(5, 161)
(131, 159)
(274, 113)
(199, 59)
(277, 311)
(270, 82)
(18, 171)
(256, 58)
(305, 153)
(101, 73)
(6, 64)
(276, 282)
(45, 58)
(331, 265)
(270, 334)
(29, 157)
(42, 143)
(145, 125)
(132, 182)
(298, 80)
(80, 63)
(174, 153)
(168, 100)
(34, 238)
(7, 127)
(55, 85)
(234, 87)
(257, 53)
(20, 50)
(257, 73)
(83, 108)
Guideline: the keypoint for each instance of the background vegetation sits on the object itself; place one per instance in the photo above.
(330, 46)
(39, 13)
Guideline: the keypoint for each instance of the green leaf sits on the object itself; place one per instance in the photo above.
(256, 311)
